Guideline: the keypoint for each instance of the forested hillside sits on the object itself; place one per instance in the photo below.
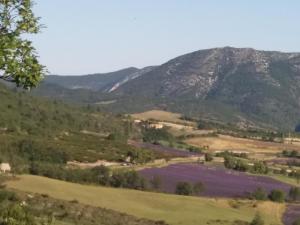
(36, 130)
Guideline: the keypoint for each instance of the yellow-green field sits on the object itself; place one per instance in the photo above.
(175, 210)
(285, 179)
(259, 149)
(160, 115)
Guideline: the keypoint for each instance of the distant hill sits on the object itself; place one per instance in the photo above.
(24, 114)
(106, 82)
(236, 85)
(42, 135)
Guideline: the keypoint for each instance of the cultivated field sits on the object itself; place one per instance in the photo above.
(292, 213)
(161, 116)
(176, 125)
(175, 210)
(260, 149)
(218, 182)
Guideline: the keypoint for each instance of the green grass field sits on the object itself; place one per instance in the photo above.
(175, 210)
(285, 179)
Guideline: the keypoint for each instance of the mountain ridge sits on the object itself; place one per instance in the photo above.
(97, 81)
(261, 86)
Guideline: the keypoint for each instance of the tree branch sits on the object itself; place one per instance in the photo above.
(7, 78)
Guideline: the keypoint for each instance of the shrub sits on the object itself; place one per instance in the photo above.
(277, 195)
(259, 194)
(235, 164)
(294, 193)
(198, 188)
(258, 220)
(7, 195)
(102, 174)
(184, 188)
(260, 168)
(128, 179)
(155, 135)
(208, 157)
(229, 162)
(15, 214)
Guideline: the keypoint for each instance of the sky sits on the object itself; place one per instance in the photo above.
(97, 36)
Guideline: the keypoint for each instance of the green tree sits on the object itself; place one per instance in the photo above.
(294, 193)
(184, 188)
(229, 162)
(277, 195)
(208, 157)
(102, 174)
(260, 168)
(259, 194)
(18, 59)
(198, 188)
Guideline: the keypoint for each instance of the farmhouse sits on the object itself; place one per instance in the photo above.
(156, 125)
(137, 121)
(5, 167)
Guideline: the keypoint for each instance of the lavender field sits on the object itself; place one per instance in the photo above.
(218, 182)
(291, 214)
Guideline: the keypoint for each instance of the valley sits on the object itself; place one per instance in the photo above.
(149, 112)
(153, 153)
(165, 161)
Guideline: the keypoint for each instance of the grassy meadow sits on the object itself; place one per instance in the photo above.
(256, 148)
(173, 209)
(285, 179)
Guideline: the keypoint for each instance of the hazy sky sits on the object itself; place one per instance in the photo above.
(89, 36)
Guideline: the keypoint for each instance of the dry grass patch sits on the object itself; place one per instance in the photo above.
(223, 142)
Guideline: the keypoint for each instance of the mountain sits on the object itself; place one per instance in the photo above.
(106, 82)
(236, 85)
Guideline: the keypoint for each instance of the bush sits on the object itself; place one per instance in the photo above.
(15, 214)
(258, 220)
(155, 135)
(7, 195)
(208, 157)
(128, 179)
(102, 175)
(235, 164)
(259, 194)
(184, 188)
(260, 168)
(294, 193)
(291, 153)
(198, 188)
(277, 195)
